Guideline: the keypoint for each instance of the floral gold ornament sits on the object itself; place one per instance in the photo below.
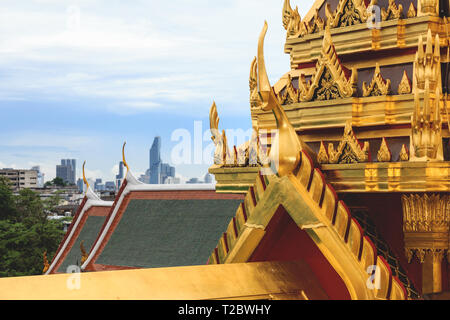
(384, 154)
(349, 149)
(329, 80)
(392, 12)
(412, 12)
(405, 84)
(378, 86)
(322, 156)
(404, 153)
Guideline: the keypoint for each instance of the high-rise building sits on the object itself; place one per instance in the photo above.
(120, 176)
(159, 171)
(80, 185)
(67, 170)
(155, 161)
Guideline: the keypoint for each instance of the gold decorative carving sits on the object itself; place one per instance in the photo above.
(427, 8)
(405, 85)
(329, 80)
(426, 220)
(317, 23)
(349, 149)
(412, 12)
(404, 153)
(290, 94)
(255, 100)
(322, 156)
(46, 264)
(347, 13)
(292, 21)
(84, 254)
(392, 12)
(222, 154)
(378, 86)
(426, 120)
(384, 154)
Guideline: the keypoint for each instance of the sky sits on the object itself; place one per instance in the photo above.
(80, 77)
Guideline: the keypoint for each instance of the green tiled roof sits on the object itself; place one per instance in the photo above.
(168, 233)
(89, 233)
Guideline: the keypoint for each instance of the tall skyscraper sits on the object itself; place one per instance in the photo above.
(155, 161)
(159, 171)
(120, 176)
(67, 170)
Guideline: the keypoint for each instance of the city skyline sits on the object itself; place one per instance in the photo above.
(90, 78)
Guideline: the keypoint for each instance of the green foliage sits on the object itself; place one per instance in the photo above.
(25, 232)
(58, 182)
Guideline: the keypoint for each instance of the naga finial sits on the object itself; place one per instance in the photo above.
(286, 148)
(84, 176)
(84, 254)
(123, 157)
(46, 264)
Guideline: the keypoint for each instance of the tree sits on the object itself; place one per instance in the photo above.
(7, 207)
(25, 232)
(59, 182)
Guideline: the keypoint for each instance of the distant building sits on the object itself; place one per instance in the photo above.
(21, 179)
(98, 185)
(80, 185)
(40, 176)
(159, 171)
(110, 186)
(67, 170)
(193, 181)
(172, 180)
(120, 176)
(208, 178)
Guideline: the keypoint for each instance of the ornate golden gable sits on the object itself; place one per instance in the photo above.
(347, 13)
(329, 81)
(378, 86)
(349, 149)
(317, 24)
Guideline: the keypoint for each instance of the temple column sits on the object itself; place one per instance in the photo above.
(426, 233)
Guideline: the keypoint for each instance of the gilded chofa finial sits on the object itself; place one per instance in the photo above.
(84, 254)
(221, 153)
(286, 147)
(84, 176)
(46, 264)
(123, 157)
